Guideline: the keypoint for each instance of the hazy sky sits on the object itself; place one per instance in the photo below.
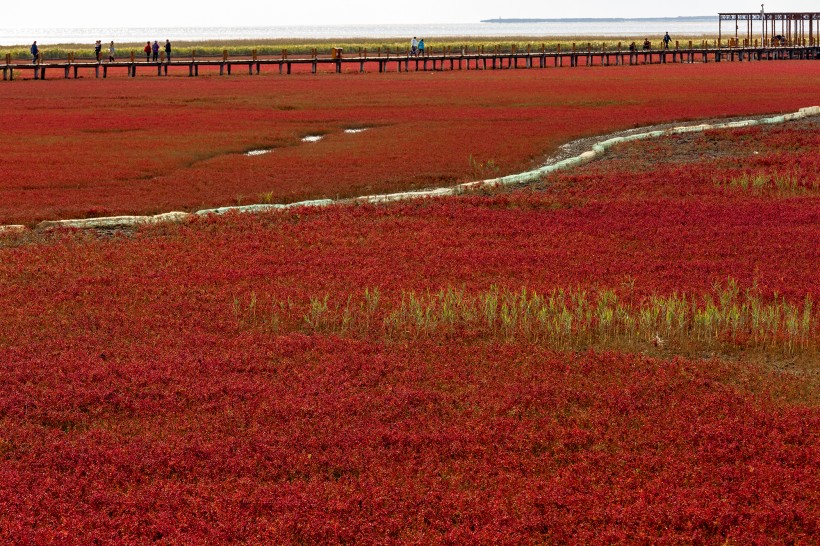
(177, 13)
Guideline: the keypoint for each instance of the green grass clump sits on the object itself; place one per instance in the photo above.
(562, 319)
(775, 182)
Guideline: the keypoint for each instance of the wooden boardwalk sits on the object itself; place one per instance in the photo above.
(407, 63)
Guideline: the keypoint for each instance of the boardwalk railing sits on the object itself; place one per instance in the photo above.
(404, 62)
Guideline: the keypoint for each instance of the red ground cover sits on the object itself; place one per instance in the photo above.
(145, 145)
(134, 408)
(315, 440)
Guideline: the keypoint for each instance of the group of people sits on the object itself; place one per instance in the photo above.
(417, 47)
(647, 45)
(148, 49)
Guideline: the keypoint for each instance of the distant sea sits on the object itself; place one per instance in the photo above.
(676, 26)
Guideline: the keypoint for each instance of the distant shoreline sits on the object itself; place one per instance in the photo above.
(692, 19)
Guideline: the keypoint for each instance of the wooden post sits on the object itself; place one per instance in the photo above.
(162, 56)
(193, 54)
(253, 54)
(284, 54)
(132, 56)
(224, 55)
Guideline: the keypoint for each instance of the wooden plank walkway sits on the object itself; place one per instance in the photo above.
(406, 63)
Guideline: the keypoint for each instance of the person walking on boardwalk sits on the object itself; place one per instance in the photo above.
(147, 50)
(111, 52)
(98, 51)
(35, 52)
(155, 50)
(414, 46)
(168, 50)
(666, 40)
(421, 47)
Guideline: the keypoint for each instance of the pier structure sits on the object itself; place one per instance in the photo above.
(773, 29)
(444, 59)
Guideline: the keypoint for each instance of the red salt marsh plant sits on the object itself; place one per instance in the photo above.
(146, 145)
(314, 439)
(138, 404)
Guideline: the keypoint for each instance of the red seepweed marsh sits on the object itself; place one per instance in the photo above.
(626, 352)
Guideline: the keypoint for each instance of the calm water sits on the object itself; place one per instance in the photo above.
(629, 27)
